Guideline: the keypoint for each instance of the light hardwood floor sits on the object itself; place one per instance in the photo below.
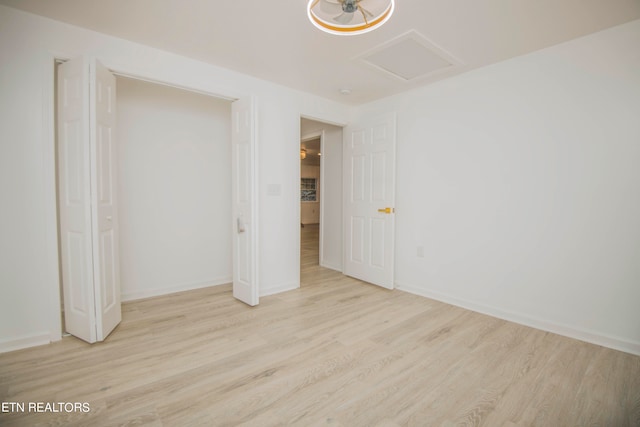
(336, 352)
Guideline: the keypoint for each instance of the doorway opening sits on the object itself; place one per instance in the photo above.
(310, 188)
(320, 183)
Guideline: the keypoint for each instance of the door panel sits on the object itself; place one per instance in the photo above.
(107, 271)
(107, 250)
(77, 299)
(378, 239)
(357, 239)
(244, 203)
(379, 177)
(369, 186)
(74, 199)
(358, 180)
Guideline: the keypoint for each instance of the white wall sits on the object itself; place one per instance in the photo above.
(331, 177)
(174, 189)
(521, 182)
(29, 292)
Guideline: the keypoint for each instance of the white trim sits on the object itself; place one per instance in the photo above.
(592, 337)
(331, 267)
(321, 119)
(311, 136)
(255, 196)
(148, 293)
(24, 342)
(193, 89)
(279, 289)
(321, 200)
(52, 272)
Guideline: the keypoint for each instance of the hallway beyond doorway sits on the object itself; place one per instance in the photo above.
(311, 273)
(309, 247)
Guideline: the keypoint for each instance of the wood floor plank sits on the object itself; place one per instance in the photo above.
(440, 363)
(336, 352)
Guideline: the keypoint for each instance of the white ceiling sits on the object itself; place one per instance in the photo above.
(273, 40)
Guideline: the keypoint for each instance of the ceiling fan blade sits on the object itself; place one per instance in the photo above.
(363, 11)
(330, 6)
(366, 21)
(343, 18)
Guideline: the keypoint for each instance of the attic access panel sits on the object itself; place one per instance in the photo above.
(409, 57)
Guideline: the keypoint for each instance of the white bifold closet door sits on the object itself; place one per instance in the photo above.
(87, 198)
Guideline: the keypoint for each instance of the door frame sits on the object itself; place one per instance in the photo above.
(51, 274)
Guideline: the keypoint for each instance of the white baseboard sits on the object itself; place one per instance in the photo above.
(25, 342)
(337, 268)
(279, 289)
(537, 323)
(148, 293)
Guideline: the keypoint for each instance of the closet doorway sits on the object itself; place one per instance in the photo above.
(173, 174)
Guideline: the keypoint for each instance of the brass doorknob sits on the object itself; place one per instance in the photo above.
(386, 210)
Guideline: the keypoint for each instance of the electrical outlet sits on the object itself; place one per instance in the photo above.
(420, 252)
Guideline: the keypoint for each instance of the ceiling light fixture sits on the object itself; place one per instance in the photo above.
(349, 17)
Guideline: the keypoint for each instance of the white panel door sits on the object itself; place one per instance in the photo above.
(86, 192)
(74, 199)
(369, 198)
(106, 269)
(244, 202)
